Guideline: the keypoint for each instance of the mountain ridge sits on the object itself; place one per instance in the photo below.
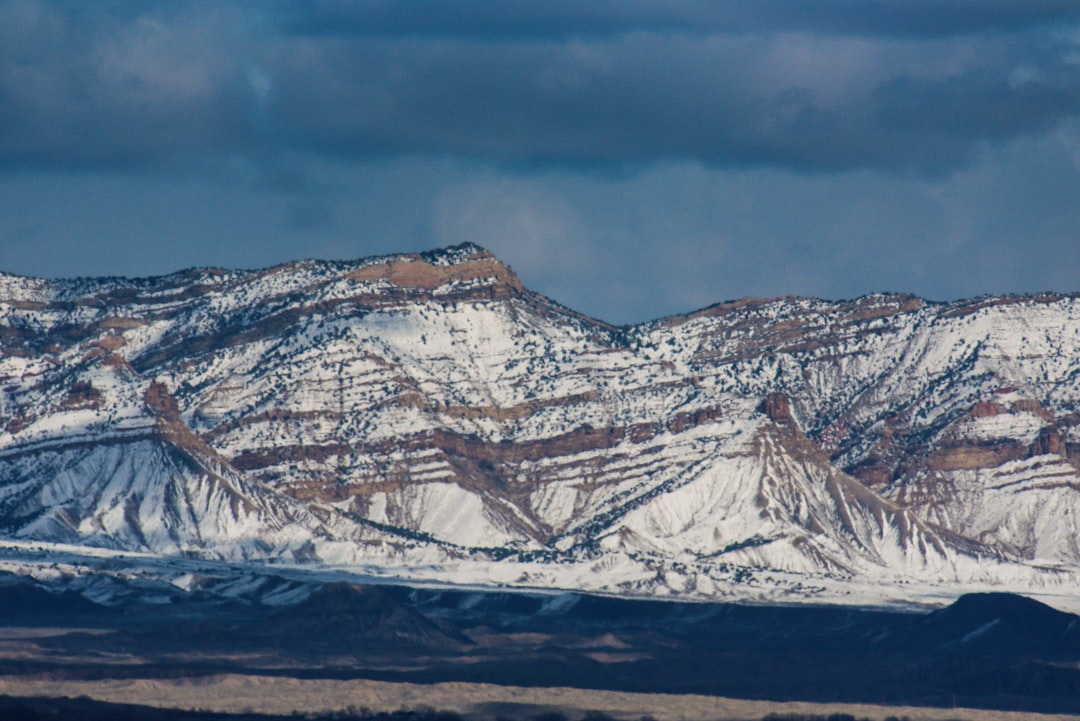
(428, 414)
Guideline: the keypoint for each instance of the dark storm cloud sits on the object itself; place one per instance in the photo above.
(102, 85)
(572, 18)
(794, 101)
(807, 84)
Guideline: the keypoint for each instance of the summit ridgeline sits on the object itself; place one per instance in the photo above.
(427, 415)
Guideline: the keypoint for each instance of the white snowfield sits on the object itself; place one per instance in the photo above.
(424, 417)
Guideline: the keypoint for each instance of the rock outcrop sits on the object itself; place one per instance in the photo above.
(428, 410)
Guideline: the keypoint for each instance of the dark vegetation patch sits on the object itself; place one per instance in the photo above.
(995, 651)
(85, 709)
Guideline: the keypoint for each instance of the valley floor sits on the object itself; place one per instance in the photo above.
(237, 693)
(515, 656)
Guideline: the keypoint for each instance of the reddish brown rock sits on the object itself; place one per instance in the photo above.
(777, 406)
(975, 455)
(412, 272)
(82, 395)
(1032, 406)
(160, 402)
(986, 409)
(873, 472)
(1048, 443)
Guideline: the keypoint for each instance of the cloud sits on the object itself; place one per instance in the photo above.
(82, 87)
(562, 19)
(535, 228)
(786, 101)
(814, 85)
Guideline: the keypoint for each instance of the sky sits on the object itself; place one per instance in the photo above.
(628, 158)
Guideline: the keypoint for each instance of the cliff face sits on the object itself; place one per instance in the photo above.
(428, 409)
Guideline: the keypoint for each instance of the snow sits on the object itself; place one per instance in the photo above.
(669, 479)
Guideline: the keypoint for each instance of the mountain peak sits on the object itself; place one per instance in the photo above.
(457, 254)
(466, 266)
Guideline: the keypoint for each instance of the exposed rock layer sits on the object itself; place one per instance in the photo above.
(429, 408)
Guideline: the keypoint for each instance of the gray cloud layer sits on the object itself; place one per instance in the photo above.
(566, 18)
(814, 85)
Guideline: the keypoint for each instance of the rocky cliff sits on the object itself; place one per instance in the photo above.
(429, 416)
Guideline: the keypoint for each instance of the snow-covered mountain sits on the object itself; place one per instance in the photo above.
(426, 416)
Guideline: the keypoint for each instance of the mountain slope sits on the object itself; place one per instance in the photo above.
(428, 415)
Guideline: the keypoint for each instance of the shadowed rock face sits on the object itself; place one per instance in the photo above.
(983, 651)
(23, 602)
(777, 406)
(343, 616)
(427, 409)
(1003, 625)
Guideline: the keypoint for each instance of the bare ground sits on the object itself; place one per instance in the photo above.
(237, 693)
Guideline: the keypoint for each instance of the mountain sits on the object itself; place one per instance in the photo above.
(340, 615)
(24, 602)
(426, 416)
(1000, 624)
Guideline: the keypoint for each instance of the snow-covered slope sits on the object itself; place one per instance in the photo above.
(425, 415)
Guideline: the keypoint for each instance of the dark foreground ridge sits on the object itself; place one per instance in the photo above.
(984, 651)
(83, 709)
